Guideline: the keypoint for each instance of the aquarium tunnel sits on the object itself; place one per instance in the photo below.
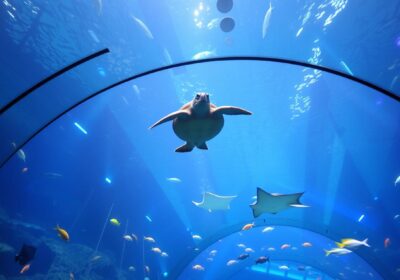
(278, 157)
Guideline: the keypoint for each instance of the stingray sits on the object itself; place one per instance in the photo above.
(274, 203)
(214, 202)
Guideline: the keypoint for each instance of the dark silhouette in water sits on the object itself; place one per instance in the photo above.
(26, 254)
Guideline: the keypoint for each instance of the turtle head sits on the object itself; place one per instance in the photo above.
(201, 104)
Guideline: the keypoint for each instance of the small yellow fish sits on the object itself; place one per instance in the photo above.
(248, 226)
(62, 233)
(115, 222)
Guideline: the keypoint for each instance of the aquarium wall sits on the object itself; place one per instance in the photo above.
(299, 180)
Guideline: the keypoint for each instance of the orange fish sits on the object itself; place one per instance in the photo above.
(306, 244)
(62, 233)
(247, 226)
(387, 242)
(285, 246)
(25, 268)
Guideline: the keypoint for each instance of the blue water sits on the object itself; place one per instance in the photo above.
(313, 132)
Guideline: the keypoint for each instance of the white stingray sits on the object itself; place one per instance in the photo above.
(214, 202)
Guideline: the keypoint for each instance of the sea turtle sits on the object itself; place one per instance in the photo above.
(199, 121)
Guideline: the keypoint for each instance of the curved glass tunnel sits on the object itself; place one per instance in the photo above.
(132, 207)
(326, 136)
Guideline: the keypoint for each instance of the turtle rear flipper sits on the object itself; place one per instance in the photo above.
(203, 146)
(185, 148)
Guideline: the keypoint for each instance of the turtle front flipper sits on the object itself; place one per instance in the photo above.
(230, 110)
(170, 117)
(187, 147)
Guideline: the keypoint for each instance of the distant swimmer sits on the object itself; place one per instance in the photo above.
(199, 121)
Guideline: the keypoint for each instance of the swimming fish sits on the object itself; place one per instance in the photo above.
(243, 256)
(20, 152)
(99, 7)
(285, 246)
(249, 250)
(128, 237)
(203, 55)
(198, 267)
(231, 262)
(174, 180)
(164, 254)
(352, 243)
(95, 258)
(337, 251)
(284, 267)
(241, 245)
(386, 243)
(213, 202)
(144, 27)
(213, 253)
(134, 237)
(274, 203)
(262, 260)
(156, 250)
(213, 23)
(25, 255)
(62, 233)
(25, 169)
(25, 268)
(53, 174)
(271, 249)
(196, 237)
(131, 268)
(267, 229)
(147, 268)
(267, 18)
(71, 276)
(248, 226)
(149, 239)
(306, 244)
(397, 181)
(115, 222)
